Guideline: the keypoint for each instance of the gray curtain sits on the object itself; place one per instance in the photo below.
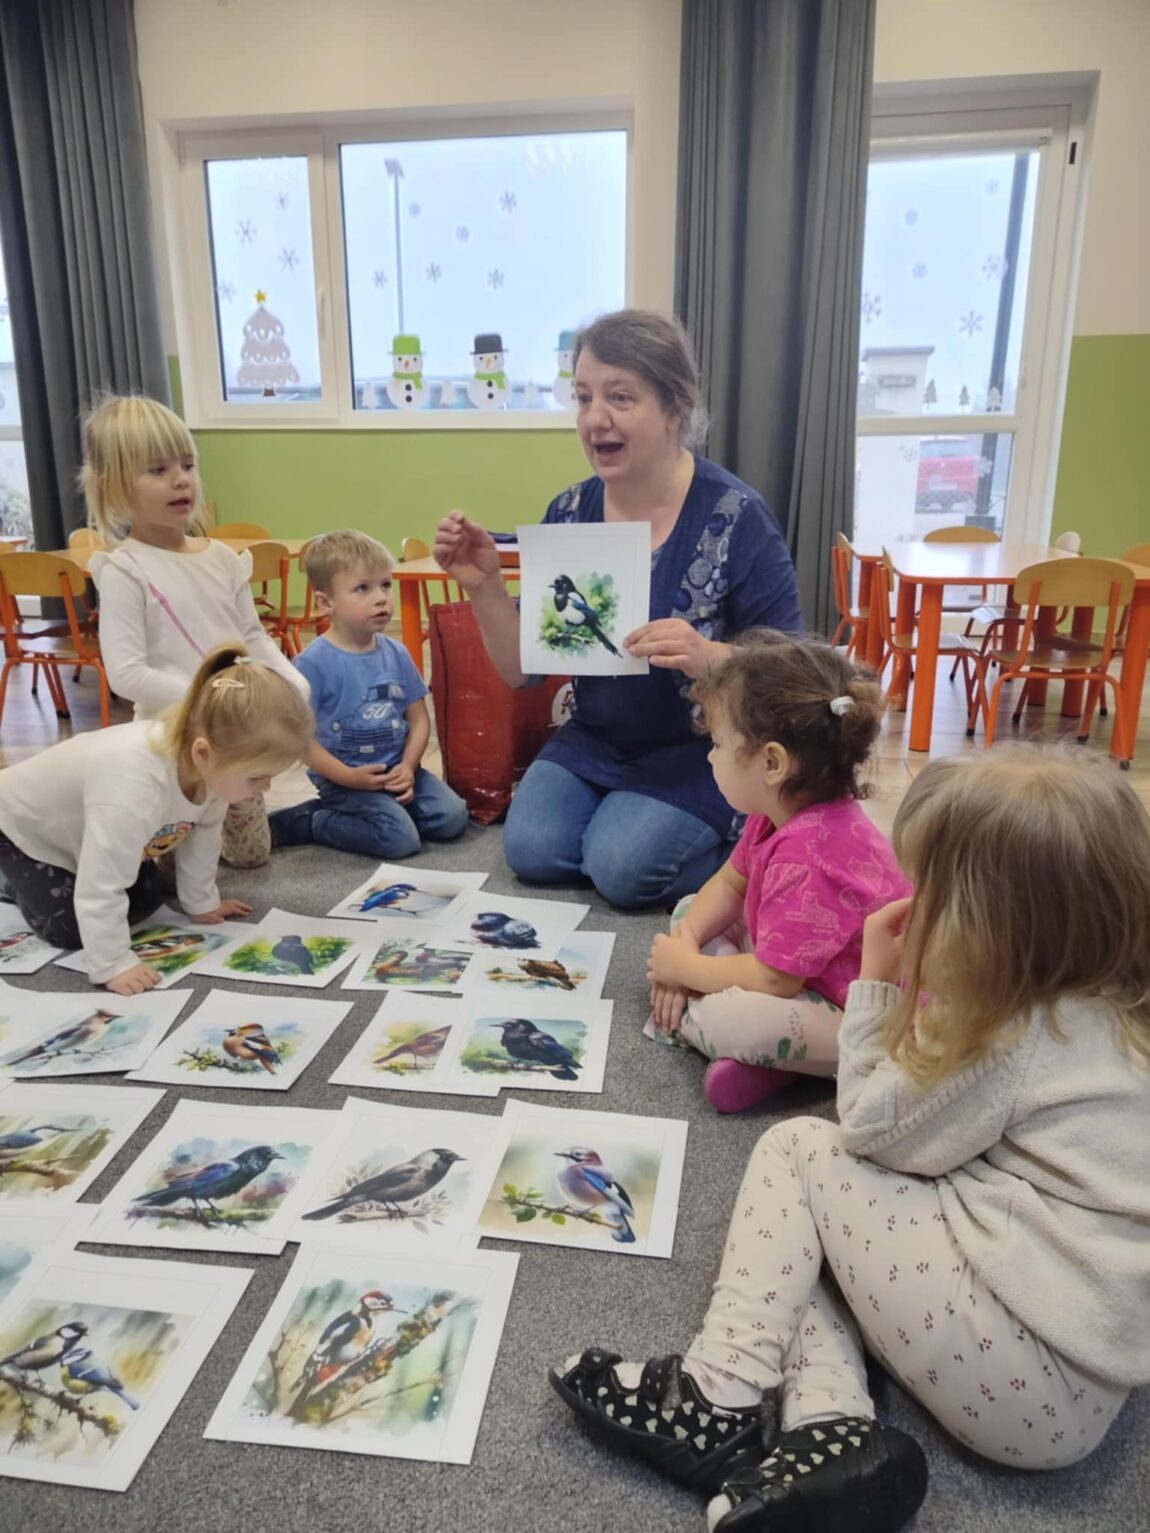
(76, 230)
(773, 149)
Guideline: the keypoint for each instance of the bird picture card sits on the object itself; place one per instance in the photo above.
(576, 965)
(96, 1353)
(599, 1181)
(582, 589)
(213, 1178)
(407, 1174)
(21, 951)
(513, 925)
(419, 957)
(56, 1139)
(551, 1045)
(255, 1042)
(29, 1229)
(409, 894)
(286, 949)
(404, 1048)
(86, 1034)
(171, 944)
(387, 1353)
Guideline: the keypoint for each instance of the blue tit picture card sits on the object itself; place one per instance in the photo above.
(582, 589)
(55, 1139)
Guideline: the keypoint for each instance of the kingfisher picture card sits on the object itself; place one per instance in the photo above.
(286, 949)
(78, 1033)
(402, 894)
(404, 1048)
(21, 952)
(28, 1229)
(171, 944)
(56, 1139)
(583, 588)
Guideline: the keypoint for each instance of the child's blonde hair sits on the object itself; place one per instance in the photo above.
(331, 553)
(246, 712)
(123, 434)
(1032, 883)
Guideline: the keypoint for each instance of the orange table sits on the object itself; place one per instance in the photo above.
(411, 575)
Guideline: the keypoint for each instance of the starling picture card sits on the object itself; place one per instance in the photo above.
(56, 1139)
(583, 589)
(599, 1181)
(28, 1229)
(254, 1042)
(170, 944)
(535, 1044)
(404, 1048)
(96, 1353)
(286, 949)
(60, 1033)
(387, 1353)
(213, 1177)
(20, 951)
(402, 894)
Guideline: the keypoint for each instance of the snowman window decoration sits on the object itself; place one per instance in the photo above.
(488, 390)
(406, 388)
(563, 389)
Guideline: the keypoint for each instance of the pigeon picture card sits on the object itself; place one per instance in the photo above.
(77, 1033)
(212, 1178)
(503, 923)
(583, 587)
(351, 1354)
(56, 1139)
(98, 1352)
(403, 894)
(536, 1044)
(286, 949)
(574, 966)
(170, 944)
(21, 951)
(404, 1048)
(251, 1042)
(28, 1229)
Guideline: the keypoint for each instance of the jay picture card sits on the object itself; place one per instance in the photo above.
(546, 1045)
(213, 1177)
(599, 1181)
(28, 1229)
(95, 1355)
(171, 944)
(389, 1353)
(55, 1140)
(583, 589)
(286, 949)
(410, 894)
(513, 925)
(575, 966)
(21, 952)
(422, 958)
(83, 1034)
(404, 1048)
(256, 1042)
(406, 1174)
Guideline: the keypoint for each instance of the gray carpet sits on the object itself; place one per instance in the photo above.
(533, 1469)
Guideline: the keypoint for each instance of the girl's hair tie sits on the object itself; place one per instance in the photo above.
(243, 660)
(841, 705)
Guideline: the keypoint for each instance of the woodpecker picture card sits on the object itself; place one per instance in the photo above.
(410, 1175)
(417, 957)
(574, 966)
(286, 949)
(388, 1353)
(21, 952)
(96, 1353)
(81, 1033)
(56, 1139)
(583, 588)
(404, 1048)
(29, 1229)
(170, 944)
(539, 1045)
(506, 924)
(599, 1181)
(213, 1178)
(402, 894)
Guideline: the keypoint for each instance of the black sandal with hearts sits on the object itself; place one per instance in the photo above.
(665, 1419)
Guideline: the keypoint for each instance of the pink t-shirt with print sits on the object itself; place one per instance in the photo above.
(810, 887)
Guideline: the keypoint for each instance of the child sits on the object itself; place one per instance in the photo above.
(166, 595)
(372, 722)
(755, 972)
(81, 823)
(983, 1206)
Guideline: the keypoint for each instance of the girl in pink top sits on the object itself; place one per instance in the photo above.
(754, 973)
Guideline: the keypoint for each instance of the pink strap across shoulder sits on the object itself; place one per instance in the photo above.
(159, 596)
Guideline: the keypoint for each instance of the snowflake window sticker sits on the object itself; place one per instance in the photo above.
(994, 267)
(434, 272)
(226, 291)
(288, 259)
(414, 209)
(970, 323)
(463, 234)
(281, 200)
(245, 231)
(495, 278)
(871, 307)
(508, 202)
(379, 278)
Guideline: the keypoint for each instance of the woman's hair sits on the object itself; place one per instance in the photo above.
(331, 553)
(1032, 883)
(123, 434)
(246, 712)
(660, 351)
(802, 695)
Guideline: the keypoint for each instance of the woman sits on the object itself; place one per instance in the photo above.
(622, 794)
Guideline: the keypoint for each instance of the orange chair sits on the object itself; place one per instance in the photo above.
(842, 561)
(71, 645)
(306, 616)
(416, 548)
(271, 571)
(238, 530)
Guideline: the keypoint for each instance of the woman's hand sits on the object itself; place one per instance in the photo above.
(134, 981)
(882, 944)
(465, 551)
(226, 910)
(672, 644)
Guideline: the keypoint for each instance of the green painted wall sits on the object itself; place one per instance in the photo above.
(1103, 487)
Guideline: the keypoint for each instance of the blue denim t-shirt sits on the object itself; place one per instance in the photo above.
(361, 701)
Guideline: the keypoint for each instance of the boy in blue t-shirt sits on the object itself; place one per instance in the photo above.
(372, 725)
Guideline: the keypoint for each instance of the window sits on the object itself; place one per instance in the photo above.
(15, 510)
(360, 279)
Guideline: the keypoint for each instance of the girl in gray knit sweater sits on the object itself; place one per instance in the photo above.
(979, 1218)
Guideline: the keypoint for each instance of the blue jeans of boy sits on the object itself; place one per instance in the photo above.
(373, 824)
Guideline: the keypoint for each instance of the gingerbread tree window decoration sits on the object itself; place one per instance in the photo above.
(265, 360)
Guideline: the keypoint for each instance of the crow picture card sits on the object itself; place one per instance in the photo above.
(96, 1353)
(21, 952)
(28, 1230)
(583, 589)
(405, 1048)
(286, 949)
(506, 924)
(418, 957)
(97, 1033)
(251, 1042)
(170, 944)
(213, 1178)
(599, 1181)
(389, 1353)
(402, 894)
(56, 1139)
(574, 966)
(540, 1045)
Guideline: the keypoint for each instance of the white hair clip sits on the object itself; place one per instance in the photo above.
(219, 683)
(841, 705)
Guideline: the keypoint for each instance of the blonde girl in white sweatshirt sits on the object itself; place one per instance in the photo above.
(979, 1217)
(81, 824)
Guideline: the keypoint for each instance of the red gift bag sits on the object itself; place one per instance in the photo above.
(489, 733)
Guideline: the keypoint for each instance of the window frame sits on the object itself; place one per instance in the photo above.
(206, 406)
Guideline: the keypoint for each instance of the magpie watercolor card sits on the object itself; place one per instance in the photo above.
(538, 1045)
(213, 1178)
(171, 944)
(405, 1048)
(87, 1034)
(505, 924)
(287, 949)
(254, 1042)
(402, 894)
(387, 1353)
(599, 1181)
(422, 958)
(411, 1175)
(21, 952)
(576, 965)
(56, 1139)
(95, 1354)
(583, 589)
(28, 1229)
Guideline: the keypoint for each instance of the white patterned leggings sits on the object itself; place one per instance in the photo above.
(778, 1318)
